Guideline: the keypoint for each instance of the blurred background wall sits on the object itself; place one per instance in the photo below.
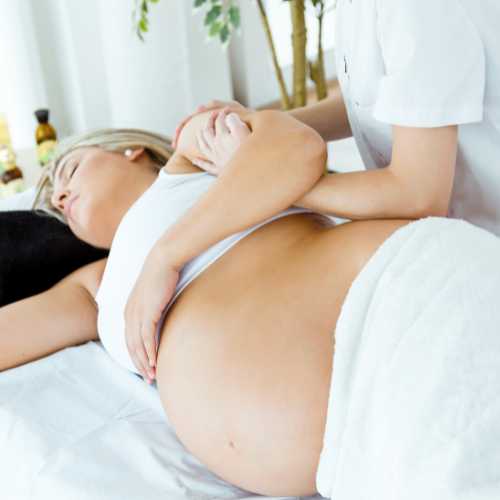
(83, 61)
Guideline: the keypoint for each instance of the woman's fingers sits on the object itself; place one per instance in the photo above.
(139, 357)
(136, 344)
(204, 146)
(148, 336)
(220, 124)
(236, 126)
(205, 150)
(207, 137)
(210, 128)
(211, 105)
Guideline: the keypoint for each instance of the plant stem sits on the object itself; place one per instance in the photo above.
(317, 68)
(285, 99)
(299, 39)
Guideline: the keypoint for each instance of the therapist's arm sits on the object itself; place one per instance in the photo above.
(279, 162)
(328, 116)
(417, 183)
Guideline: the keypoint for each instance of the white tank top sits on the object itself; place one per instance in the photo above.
(160, 206)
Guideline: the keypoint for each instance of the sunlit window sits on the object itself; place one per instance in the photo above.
(281, 25)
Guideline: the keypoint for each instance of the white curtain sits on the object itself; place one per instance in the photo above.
(21, 87)
(83, 61)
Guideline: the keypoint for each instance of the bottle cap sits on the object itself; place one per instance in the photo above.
(42, 115)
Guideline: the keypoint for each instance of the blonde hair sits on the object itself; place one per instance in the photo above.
(157, 146)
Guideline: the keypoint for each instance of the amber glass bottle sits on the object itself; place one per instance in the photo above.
(45, 136)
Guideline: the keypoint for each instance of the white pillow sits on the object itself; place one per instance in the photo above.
(19, 201)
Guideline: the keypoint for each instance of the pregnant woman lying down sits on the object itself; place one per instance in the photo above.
(267, 292)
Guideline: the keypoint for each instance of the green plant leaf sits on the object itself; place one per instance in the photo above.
(215, 28)
(199, 3)
(224, 33)
(213, 14)
(234, 16)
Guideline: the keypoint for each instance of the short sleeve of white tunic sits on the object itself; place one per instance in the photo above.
(434, 64)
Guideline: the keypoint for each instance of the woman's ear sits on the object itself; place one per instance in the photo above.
(133, 154)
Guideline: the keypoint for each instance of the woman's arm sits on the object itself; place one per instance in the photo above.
(279, 162)
(277, 165)
(63, 316)
(417, 183)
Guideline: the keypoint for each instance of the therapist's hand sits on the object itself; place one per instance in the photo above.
(152, 291)
(212, 105)
(219, 140)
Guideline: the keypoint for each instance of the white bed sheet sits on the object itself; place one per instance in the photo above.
(76, 425)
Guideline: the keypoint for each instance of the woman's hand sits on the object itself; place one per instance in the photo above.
(152, 291)
(212, 105)
(219, 140)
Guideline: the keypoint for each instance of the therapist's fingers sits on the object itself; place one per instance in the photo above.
(213, 104)
(216, 104)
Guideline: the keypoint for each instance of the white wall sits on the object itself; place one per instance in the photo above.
(84, 62)
(21, 88)
(154, 84)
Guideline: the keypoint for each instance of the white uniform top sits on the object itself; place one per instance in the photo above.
(427, 63)
(159, 207)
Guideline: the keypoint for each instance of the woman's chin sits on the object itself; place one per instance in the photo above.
(89, 237)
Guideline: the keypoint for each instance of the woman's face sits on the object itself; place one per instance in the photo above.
(94, 188)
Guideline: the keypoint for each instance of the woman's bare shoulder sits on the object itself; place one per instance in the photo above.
(89, 276)
(179, 164)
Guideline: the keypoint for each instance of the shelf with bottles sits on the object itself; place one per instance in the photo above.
(21, 171)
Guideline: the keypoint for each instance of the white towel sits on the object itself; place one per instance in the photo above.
(414, 405)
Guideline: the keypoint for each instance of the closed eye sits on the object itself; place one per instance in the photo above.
(75, 166)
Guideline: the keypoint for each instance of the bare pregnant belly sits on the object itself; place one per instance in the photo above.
(245, 356)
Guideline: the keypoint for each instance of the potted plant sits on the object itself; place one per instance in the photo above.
(222, 18)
